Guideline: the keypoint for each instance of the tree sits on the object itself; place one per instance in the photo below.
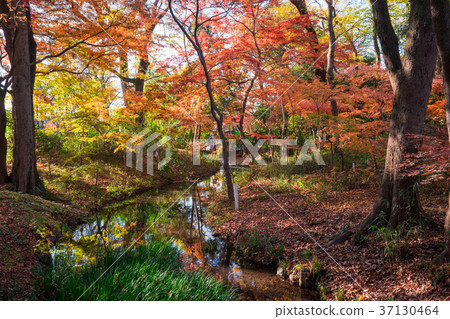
(330, 64)
(319, 71)
(16, 23)
(192, 33)
(440, 10)
(119, 32)
(79, 109)
(21, 49)
(147, 15)
(5, 82)
(411, 80)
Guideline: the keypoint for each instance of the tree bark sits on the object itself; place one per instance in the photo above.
(330, 72)
(3, 142)
(411, 80)
(140, 78)
(377, 50)
(124, 74)
(139, 85)
(440, 10)
(331, 53)
(376, 47)
(138, 82)
(21, 49)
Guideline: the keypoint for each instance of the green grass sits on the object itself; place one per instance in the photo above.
(149, 272)
(255, 241)
(316, 183)
(94, 183)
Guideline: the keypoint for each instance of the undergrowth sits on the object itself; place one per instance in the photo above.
(251, 242)
(151, 272)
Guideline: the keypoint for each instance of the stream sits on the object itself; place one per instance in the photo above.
(177, 212)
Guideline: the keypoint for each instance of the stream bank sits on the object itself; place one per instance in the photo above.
(100, 181)
(30, 225)
(177, 213)
(302, 210)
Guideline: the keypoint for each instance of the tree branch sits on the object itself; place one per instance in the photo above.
(386, 34)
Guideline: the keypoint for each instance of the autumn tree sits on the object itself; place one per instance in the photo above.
(21, 49)
(411, 80)
(117, 36)
(319, 68)
(249, 19)
(331, 65)
(192, 28)
(146, 16)
(24, 175)
(7, 58)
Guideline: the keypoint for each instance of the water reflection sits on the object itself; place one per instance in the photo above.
(170, 214)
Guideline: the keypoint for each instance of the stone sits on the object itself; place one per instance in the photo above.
(293, 279)
(282, 273)
(307, 280)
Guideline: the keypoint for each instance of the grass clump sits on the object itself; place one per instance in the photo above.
(396, 241)
(253, 242)
(151, 272)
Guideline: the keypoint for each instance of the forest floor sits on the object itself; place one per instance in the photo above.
(29, 225)
(284, 218)
(93, 183)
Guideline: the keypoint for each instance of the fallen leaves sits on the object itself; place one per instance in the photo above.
(410, 278)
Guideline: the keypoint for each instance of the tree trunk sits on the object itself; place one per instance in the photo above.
(226, 164)
(218, 117)
(21, 49)
(303, 10)
(3, 142)
(330, 71)
(411, 80)
(331, 53)
(283, 113)
(140, 77)
(139, 85)
(124, 73)
(440, 10)
(244, 107)
(376, 48)
(215, 111)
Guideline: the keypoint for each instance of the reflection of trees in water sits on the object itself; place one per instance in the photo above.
(99, 227)
(209, 252)
(196, 212)
(185, 222)
(137, 219)
(158, 218)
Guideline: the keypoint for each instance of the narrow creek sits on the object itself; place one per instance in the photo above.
(180, 215)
